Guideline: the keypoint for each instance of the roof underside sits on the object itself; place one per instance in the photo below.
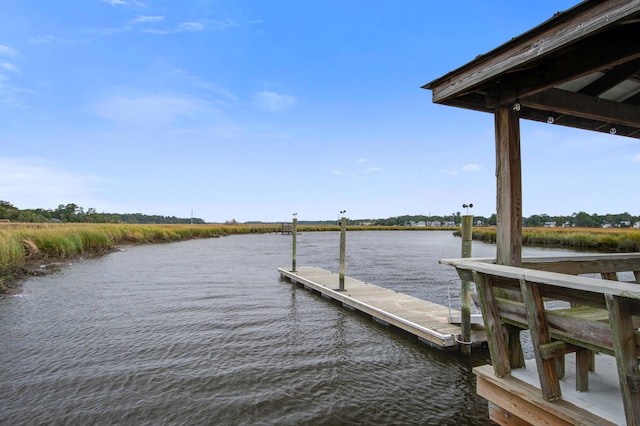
(579, 69)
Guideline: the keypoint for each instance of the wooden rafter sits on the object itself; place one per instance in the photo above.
(579, 105)
(612, 78)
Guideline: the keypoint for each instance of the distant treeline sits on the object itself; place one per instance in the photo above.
(578, 220)
(72, 213)
(76, 214)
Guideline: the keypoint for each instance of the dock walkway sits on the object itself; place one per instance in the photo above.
(426, 320)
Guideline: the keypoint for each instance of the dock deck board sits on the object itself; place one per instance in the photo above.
(427, 320)
(519, 394)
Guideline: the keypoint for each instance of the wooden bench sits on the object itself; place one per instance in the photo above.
(601, 315)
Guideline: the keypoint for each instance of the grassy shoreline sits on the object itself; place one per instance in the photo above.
(593, 239)
(24, 248)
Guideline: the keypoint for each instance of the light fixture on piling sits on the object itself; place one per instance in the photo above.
(613, 130)
(467, 206)
(550, 119)
(516, 105)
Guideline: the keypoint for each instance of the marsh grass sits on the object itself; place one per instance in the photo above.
(24, 246)
(606, 240)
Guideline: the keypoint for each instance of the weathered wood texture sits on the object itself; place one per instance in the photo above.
(541, 339)
(509, 187)
(573, 265)
(531, 46)
(604, 316)
(426, 320)
(514, 402)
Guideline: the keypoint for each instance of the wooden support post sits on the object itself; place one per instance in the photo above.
(509, 204)
(492, 325)
(624, 347)
(294, 229)
(583, 362)
(541, 340)
(343, 250)
(509, 187)
(465, 290)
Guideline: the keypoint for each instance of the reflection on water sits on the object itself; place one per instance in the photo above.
(205, 332)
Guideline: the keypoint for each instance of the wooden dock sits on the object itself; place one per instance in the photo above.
(426, 320)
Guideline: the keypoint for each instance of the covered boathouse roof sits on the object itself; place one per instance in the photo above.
(581, 69)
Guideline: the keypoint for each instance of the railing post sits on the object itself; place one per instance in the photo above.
(465, 290)
(294, 229)
(343, 248)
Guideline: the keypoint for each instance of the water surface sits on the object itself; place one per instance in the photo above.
(205, 332)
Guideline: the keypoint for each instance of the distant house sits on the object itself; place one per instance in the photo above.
(636, 225)
(5, 221)
(449, 223)
(549, 224)
(436, 223)
(607, 225)
(625, 223)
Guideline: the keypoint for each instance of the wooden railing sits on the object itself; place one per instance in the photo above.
(601, 315)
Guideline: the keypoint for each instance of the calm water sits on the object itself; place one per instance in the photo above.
(205, 332)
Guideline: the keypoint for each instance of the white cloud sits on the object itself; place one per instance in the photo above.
(130, 3)
(451, 171)
(201, 84)
(8, 51)
(149, 109)
(50, 39)
(146, 19)
(336, 172)
(272, 101)
(33, 182)
(11, 94)
(45, 39)
(191, 26)
(9, 67)
(635, 158)
(373, 170)
(471, 168)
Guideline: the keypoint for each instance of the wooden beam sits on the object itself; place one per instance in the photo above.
(588, 56)
(548, 37)
(558, 101)
(509, 187)
(553, 279)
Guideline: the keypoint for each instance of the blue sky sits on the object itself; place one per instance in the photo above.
(254, 110)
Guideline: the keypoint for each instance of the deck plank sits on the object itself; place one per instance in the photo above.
(426, 320)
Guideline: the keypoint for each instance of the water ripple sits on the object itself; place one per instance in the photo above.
(205, 332)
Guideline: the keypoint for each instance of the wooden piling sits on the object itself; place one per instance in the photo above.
(465, 290)
(343, 250)
(294, 229)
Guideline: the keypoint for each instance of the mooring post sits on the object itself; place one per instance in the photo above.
(465, 290)
(294, 229)
(343, 247)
